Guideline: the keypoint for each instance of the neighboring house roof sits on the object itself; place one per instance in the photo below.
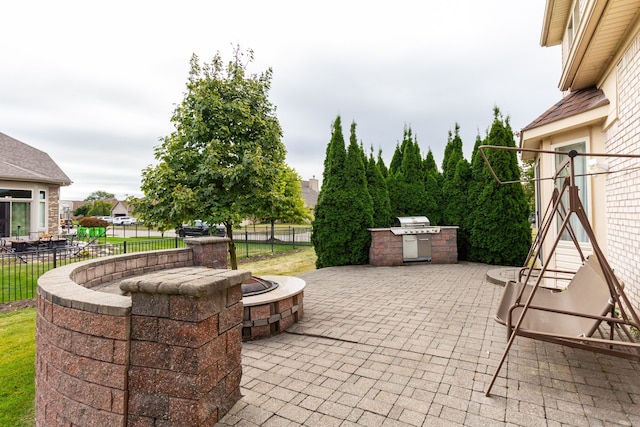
(575, 103)
(22, 162)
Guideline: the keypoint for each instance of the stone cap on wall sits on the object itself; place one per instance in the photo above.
(187, 281)
(70, 285)
(57, 286)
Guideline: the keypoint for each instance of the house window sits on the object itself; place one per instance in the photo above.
(580, 169)
(15, 212)
(14, 194)
(20, 214)
(42, 211)
(574, 21)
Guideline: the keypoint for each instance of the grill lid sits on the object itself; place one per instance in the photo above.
(412, 221)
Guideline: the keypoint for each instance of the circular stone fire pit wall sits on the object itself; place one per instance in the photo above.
(273, 312)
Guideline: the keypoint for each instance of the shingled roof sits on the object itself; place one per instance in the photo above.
(575, 103)
(22, 162)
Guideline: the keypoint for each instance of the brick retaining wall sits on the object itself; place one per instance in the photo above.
(91, 347)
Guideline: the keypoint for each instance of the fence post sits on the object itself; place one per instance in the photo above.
(293, 238)
(55, 257)
(176, 239)
(246, 242)
(124, 246)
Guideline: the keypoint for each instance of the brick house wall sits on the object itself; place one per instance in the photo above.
(623, 189)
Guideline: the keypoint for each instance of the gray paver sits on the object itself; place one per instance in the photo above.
(417, 346)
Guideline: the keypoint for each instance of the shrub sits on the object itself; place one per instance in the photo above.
(92, 221)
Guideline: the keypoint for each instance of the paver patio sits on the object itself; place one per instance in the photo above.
(417, 346)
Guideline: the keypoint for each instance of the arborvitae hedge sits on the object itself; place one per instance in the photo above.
(344, 210)
(499, 230)
(379, 195)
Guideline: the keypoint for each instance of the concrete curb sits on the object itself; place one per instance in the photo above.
(500, 276)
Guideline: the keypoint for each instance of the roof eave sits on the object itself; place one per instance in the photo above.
(553, 29)
(532, 138)
(61, 183)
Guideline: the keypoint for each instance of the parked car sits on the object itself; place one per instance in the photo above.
(201, 228)
(109, 219)
(66, 223)
(124, 220)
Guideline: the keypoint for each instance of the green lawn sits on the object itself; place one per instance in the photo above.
(17, 367)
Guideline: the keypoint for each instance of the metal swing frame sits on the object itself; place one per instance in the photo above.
(619, 315)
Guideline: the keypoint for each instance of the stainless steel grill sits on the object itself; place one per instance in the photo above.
(413, 225)
(416, 242)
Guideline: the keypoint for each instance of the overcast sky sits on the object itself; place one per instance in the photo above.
(94, 83)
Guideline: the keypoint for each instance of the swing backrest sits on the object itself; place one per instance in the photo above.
(587, 293)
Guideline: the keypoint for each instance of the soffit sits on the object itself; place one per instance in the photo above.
(602, 32)
(556, 13)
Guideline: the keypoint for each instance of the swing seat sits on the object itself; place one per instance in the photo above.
(568, 312)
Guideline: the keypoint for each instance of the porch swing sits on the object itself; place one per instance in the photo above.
(592, 312)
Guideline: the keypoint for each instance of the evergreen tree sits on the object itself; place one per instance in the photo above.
(406, 186)
(396, 160)
(430, 163)
(433, 187)
(379, 194)
(454, 198)
(500, 232)
(360, 208)
(381, 166)
(458, 206)
(452, 154)
(344, 210)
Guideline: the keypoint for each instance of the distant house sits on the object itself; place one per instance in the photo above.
(600, 82)
(310, 192)
(30, 184)
(120, 208)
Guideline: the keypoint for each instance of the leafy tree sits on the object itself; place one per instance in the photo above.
(82, 210)
(344, 210)
(379, 194)
(527, 171)
(286, 203)
(99, 195)
(225, 154)
(100, 208)
(499, 230)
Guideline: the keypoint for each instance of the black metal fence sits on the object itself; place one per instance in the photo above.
(20, 270)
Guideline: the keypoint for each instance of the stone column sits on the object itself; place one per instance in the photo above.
(209, 251)
(186, 341)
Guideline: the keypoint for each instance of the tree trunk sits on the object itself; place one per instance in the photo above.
(232, 246)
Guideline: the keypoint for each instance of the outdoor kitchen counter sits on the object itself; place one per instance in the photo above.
(387, 247)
